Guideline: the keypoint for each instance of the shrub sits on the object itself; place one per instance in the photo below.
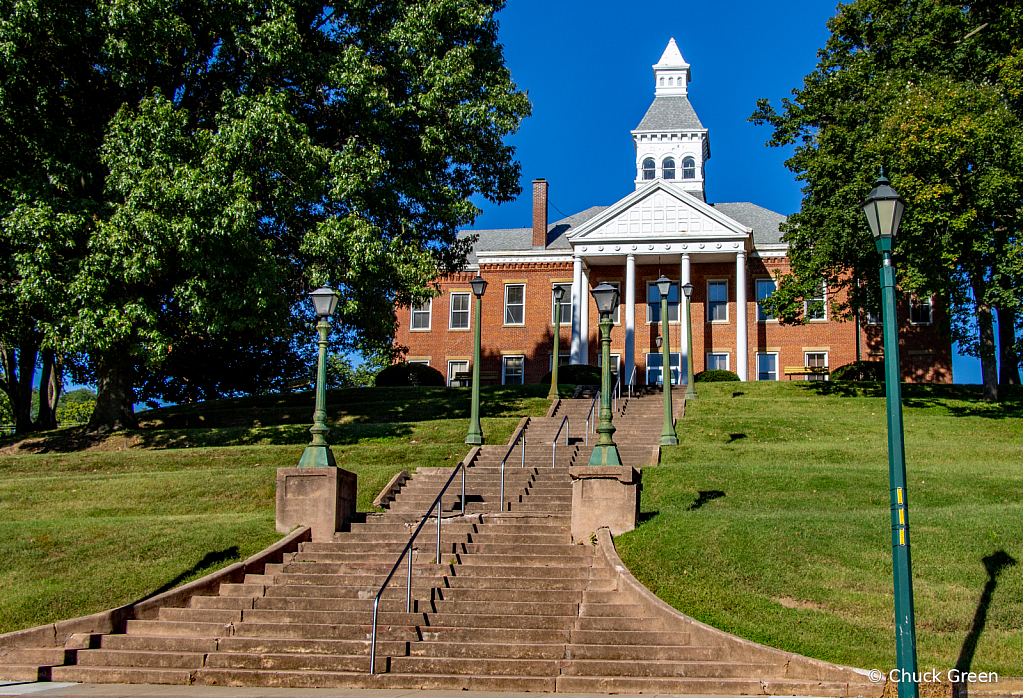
(406, 375)
(577, 374)
(859, 371)
(715, 376)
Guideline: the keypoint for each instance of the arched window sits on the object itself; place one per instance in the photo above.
(649, 168)
(668, 168)
(689, 169)
(662, 82)
(671, 81)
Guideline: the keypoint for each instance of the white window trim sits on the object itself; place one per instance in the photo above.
(777, 366)
(728, 360)
(564, 355)
(504, 368)
(451, 311)
(429, 318)
(728, 317)
(566, 300)
(617, 317)
(505, 308)
(827, 362)
(756, 283)
(421, 362)
(679, 303)
(930, 312)
(824, 305)
(671, 355)
(616, 360)
(873, 319)
(450, 376)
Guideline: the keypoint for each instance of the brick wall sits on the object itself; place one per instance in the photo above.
(925, 356)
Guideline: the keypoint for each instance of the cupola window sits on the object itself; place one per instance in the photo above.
(668, 167)
(671, 81)
(649, 168)
(689, 169)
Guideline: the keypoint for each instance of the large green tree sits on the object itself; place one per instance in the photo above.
(182, 173)
(922, 88)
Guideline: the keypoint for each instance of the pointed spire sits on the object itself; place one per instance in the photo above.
(671, 73)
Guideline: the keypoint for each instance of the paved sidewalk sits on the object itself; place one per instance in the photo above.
(87, 690)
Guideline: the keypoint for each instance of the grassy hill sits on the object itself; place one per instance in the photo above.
(770, 519)
(88, 524)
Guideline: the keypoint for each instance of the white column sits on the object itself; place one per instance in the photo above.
(741, 335)
(577, 285)
(630, 315)
(683, 344)
(584, 318)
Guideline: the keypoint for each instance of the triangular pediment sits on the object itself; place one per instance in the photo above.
(658, 211)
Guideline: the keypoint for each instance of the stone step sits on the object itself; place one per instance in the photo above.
(510, 595)
(97, 674)
(322, 631)
(24, 673)
(186, 629)
(36, 657)
(660, 668)
(323, 679)
(665, 638)
(487, 650)
(270, 662)
(358, 647)
(140, 658)
(155, 643)
(644, 652)
(528, 562)
(475, 666)
(504, 607)
(702, 686)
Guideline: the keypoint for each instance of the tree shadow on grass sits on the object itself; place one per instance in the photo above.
(994, 564)
(705, 496)
(214, 559)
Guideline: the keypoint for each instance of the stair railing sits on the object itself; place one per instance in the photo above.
(554, 444)
(616, 391)
(632, 380)
(589, 418)
(408, 551)
(520, 436)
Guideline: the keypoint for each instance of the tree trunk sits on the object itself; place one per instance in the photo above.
(49, 391)
(988, 356)
(1009, 372)
(115, 394)
(19, 369)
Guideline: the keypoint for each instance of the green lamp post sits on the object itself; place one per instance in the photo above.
(605, 452)
(318, 453)
(475, 435)
(668, 437)
(559, 293)
(884, 208)
(687, 289)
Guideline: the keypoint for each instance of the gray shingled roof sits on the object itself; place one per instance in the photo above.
(512, 239)
(763, 221)
(669, 114)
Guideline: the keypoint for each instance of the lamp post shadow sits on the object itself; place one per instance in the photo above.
(994, 563)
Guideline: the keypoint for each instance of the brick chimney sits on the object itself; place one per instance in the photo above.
(539, 213)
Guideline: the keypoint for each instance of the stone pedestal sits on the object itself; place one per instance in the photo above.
(604, 496)
(321, 498)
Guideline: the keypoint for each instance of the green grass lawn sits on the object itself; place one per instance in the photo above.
(771, 520)
(87, 525)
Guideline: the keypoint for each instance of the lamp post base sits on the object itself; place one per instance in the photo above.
(669, 440)
(317, 457)
(475, 436)
(690, 392)
(553, 394)
(606, 454)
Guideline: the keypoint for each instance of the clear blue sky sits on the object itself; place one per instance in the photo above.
(587, 69)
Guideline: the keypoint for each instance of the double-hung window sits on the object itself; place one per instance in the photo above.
(514, 304)
(421, 315)
(920, 311)
(653, 303)
(765, 289)
(815, 307)
(767, 367)
(459, 311)
(717, 362)
(513, 369)
(454, 368)
(564, 307)
(717, 301)
(818, 360)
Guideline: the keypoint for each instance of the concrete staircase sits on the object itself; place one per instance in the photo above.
(514, 604)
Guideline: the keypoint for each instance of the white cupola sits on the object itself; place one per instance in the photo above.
(671, 143)
(671, 73)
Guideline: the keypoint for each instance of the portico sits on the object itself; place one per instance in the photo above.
(658, 227)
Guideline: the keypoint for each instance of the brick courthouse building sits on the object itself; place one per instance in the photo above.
(664, 226)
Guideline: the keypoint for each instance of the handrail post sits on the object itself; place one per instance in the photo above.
(408, 587)
(438, 528)
(463, 491)
(502, 482)
(522, 446)
(373, 642)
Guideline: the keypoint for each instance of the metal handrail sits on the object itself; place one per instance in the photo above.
(520, 437)
(615, 391)
(554, 444)
(408, 551)
(589, 417)
(632, 380)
